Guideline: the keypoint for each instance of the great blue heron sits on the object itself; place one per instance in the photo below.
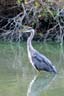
(38, 60)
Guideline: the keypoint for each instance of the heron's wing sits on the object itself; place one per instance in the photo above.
(42, 63)
(40, 57)
(40, 60)
(37, 57)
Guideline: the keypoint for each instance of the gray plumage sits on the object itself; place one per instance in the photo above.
(38, 60)
(42, 63)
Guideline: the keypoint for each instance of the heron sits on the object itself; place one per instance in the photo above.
(38, 60)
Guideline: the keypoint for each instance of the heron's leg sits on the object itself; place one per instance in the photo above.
(38, 72)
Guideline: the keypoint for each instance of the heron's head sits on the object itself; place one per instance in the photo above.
(26, 29)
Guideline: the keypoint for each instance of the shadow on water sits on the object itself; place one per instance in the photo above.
(39, 84)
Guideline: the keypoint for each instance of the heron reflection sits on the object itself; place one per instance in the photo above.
(39, 84)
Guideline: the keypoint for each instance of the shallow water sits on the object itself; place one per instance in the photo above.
(18, 77)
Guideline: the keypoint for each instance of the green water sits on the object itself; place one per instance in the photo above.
(18, 77)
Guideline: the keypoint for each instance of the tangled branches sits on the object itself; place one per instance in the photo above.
(34, 14)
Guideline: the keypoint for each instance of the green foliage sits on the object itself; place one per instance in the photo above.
(18, 1)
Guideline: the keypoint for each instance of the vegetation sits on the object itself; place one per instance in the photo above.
(46, 17)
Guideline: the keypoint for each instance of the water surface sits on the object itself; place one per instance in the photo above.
(18, 77)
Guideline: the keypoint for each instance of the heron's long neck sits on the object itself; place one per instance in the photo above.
(29, 45)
